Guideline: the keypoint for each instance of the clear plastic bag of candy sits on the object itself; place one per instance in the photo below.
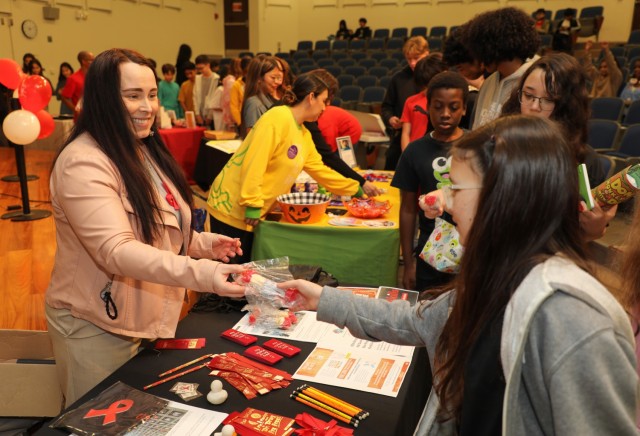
(269, 305)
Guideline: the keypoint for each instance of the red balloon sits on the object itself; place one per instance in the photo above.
(47, 125)
(34, 93)
(10, 73)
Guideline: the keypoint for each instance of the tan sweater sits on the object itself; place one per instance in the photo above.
(604, 86)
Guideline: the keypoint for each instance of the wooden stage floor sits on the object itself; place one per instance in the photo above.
(27, 249)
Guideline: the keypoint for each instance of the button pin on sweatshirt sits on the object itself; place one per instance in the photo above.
(292, 152)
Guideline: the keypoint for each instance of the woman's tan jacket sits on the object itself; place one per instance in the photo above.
(98, 242)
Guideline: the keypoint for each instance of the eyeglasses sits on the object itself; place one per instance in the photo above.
(449, 192)
(546, 104)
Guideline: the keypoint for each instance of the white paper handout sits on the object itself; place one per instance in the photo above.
(343, 360)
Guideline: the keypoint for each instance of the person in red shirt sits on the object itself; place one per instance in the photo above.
(72, 91)
(336, 122)
(415, 119)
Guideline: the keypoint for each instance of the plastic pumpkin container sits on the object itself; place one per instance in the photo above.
(303, 207)
(367, 208)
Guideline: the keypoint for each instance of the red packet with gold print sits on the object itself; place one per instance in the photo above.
(255, 422)
(180, 344)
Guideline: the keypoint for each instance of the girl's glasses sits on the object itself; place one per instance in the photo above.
(546, 104)
(449, 192)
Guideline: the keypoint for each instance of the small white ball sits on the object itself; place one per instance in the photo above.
(228, 430)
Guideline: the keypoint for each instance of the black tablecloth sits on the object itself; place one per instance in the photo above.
(389, 416)
(209, 163)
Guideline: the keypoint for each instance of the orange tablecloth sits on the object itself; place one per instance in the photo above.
(183, 144)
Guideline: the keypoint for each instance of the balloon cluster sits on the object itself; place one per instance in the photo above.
(32, 122)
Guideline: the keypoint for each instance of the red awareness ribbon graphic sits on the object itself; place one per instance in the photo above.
(110, 413)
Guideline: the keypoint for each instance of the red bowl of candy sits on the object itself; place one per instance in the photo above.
(367, 208)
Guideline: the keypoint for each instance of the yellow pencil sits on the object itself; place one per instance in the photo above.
(350, 409)
(323, 405)
(352, 421)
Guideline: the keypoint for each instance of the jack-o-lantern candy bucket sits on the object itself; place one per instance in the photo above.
(303, 207)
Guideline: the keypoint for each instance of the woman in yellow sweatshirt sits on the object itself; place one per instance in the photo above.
(268, 162)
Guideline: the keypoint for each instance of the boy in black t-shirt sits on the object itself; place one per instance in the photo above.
(424, 167)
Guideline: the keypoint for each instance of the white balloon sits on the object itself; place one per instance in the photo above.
(21, 127)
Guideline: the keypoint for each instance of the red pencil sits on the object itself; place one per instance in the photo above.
(159, 382)
(184, 365)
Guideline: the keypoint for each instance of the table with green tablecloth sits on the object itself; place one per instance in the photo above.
(357, 255)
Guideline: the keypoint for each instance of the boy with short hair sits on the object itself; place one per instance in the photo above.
(168, 91)
(204, 89)
(185, 97)
(414, 114)
(424, 167)
(401, 87)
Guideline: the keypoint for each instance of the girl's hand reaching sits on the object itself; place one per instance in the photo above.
(432, 204)
(310, 291)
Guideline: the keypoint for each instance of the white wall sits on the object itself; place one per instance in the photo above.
(158, 27)
(154, 30)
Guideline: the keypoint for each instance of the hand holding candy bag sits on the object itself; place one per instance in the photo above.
(269, 305)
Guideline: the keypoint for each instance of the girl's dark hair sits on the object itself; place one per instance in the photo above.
(105, 117)
(25, 64)
(566, 84)
(501, 35)
(184, 56)
(518, 157)
(60, 75)
(304, 85)
(343, 24)
(428, 67)
(33, 62)
(258, 67)
(327, 77)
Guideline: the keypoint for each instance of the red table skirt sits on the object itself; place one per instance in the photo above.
(183, 144)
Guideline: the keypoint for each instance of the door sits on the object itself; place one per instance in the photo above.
(236, 26)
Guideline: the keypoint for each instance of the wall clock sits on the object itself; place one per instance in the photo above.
(29, 29)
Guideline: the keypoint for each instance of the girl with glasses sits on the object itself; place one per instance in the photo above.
(525, 340)
(554, 87)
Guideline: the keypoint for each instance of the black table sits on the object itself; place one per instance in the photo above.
(389, 416)
(209, 163)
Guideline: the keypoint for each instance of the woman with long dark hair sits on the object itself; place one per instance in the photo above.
(264, 87)
(267, 163)
(126, 247)
(554, 87)
(184, 57)
(525, 341)
(65, 71)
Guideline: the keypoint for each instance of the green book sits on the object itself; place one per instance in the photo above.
(585, 187)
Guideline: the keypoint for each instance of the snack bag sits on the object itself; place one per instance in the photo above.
(619, 187)
(269, 305)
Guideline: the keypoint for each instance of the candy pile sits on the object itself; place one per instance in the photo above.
(376, 176)
(367, 208)
(249, 377)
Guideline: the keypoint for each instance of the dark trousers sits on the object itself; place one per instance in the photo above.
(245, 237)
